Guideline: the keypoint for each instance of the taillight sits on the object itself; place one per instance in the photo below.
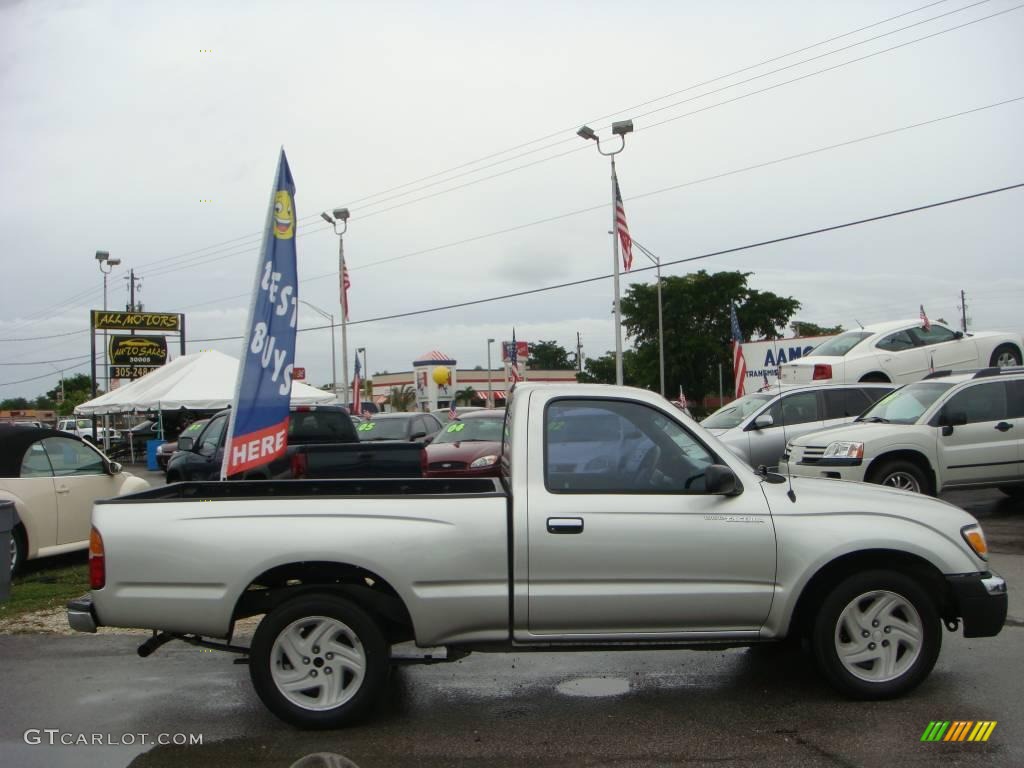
(97, 561)
(423, 461)
(821, 371)
(300, 466)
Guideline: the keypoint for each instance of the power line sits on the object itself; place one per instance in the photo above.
(692, 182)
(688, 260)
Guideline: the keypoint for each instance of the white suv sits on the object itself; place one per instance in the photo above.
(952, 430)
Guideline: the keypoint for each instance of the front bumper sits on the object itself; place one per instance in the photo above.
(980, 600)
(82, 614)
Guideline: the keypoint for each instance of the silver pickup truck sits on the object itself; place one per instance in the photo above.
(618, 523)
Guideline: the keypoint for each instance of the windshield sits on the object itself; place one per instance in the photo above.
(382, 429)
(472, 430)
(841, 344)
(905, 406)
(733, 414)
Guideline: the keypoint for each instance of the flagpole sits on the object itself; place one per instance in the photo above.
(344, 319)
(615, 263)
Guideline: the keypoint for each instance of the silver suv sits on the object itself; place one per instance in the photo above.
(952, 430)
(756, 426)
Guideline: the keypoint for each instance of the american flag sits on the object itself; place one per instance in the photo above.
(623, 229)
(681, 402)
(345, 285)
(766, 386)
(924, 320)
(357, 393)
(367, 414)
(739, 364)
(453, 412)
(513, 361)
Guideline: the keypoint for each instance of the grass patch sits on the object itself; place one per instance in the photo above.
(48, 587)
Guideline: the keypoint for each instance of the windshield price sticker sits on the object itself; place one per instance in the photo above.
(457, 427)
(366, 426)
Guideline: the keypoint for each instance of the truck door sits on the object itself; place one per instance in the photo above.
(986, 449)
(622, 538)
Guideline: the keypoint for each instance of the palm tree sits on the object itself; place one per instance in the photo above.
(400, 398)
(465, 395)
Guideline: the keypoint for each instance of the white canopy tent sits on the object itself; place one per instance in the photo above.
(202, 381)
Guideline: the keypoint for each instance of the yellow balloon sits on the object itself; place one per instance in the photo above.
(441, 375)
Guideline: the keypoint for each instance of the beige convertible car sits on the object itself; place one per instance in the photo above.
(53, 478)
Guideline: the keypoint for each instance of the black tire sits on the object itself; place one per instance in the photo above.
(902, 474)
(19, 549)
(875, 378)
(1013, 491)
(1008, 350)
(876, 589)
(363, 637)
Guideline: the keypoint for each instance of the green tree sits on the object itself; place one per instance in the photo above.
(15, 404)
(549, 356)
(77, 390)
(400, 398)
(697, 328)
(803, 328)
(601, 370)
(465, 396)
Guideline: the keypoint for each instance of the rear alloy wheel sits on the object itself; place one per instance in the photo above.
(19, 549)
(1005, 356)
(318, 661)
(902, 475)
(877, 635)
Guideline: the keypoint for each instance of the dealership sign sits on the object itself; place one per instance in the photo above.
(764, 358)
(133, 321)
(138, 350)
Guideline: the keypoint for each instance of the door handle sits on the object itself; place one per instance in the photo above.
(1003, 426)
(565, 525)
(63, 489)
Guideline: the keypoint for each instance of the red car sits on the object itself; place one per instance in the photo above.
(470, 446)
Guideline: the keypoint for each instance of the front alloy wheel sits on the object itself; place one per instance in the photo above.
(318, 661)
(877, 635)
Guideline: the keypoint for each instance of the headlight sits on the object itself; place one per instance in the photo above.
(975, 538)
(844, 450)
(484, 461)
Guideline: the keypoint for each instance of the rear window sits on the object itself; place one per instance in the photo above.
(321, 427)
(841, 344)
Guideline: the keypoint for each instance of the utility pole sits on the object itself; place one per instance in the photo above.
(579, 353)
(132, 306)
(963, 311)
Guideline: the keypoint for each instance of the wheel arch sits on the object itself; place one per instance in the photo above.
(360, 585)
(1012, 345)
(875, 377)
(838, 569)
(905, 454)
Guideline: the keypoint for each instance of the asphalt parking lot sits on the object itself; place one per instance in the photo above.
(737, 707)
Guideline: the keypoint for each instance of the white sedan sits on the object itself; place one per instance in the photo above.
(53, 478)
(901, 352)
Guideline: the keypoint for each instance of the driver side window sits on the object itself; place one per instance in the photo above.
(897, 342)
(211, 437)
(611, 446)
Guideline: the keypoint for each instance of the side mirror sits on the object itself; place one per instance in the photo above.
(958, 335)
(763, 421)
(721, 480)
(115, 468)
(185, 443)
(949, 420)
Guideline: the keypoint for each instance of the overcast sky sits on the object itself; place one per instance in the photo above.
(121, 118)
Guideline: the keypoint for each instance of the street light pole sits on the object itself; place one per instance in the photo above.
(620, 129)
(490, 389)
(340, 224)
(334, 360)
(661, 326)
(103, 257)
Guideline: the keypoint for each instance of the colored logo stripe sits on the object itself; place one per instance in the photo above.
(958, 730)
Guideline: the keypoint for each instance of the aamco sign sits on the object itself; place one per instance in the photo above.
(764, 357)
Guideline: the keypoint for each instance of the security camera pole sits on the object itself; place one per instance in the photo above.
(340, 224)
(620, 129)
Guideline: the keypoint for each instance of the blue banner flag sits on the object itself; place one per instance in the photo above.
(259, 425)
